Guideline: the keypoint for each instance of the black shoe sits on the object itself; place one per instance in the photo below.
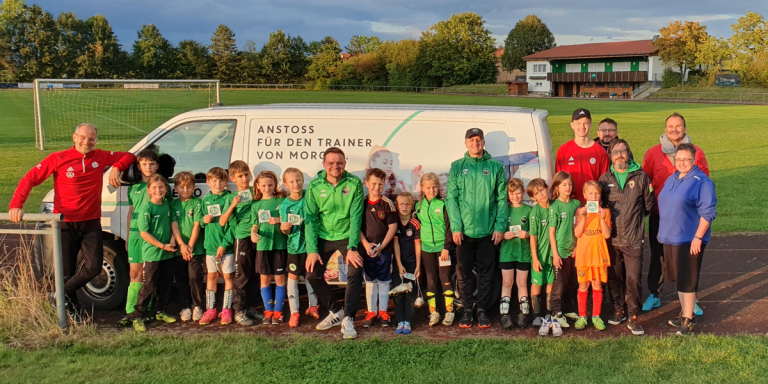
(254, 314)
(686, 327)
(677, 321)
(633, 326)
(617, 318)
(522, 320)
(466, 320)
(124, 322)
(482, 319)
(506, 321)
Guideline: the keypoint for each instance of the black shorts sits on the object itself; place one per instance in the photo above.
(520, 266)
(296, 264)
(271, 262)
(682, 267)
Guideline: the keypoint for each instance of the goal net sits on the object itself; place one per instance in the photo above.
(123, 110)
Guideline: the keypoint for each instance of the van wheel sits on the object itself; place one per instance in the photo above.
(108, 290)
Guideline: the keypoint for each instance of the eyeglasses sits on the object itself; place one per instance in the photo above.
(619, 152)
(683, 161)
(608, 130)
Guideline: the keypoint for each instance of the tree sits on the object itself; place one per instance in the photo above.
(284, 58)
(359, 45)
(457, 51)
(34, 49)
(223, 51)
(102, 57)
(153, 55)
(759, 70)
(250, 47)
(680, 43)
(10, 20)
(325, 63)
(712, 56)
(530, 35)
(749, 39)
(400, 58)
(194, 60)
(73, 39)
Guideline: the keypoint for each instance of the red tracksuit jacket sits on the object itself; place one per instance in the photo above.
(77, 181)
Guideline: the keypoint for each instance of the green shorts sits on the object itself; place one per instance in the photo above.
(546, 276)
(134, 249)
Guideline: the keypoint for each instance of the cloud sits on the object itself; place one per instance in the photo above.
(393, 29)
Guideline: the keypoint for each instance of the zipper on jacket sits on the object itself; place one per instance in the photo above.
(83, 161)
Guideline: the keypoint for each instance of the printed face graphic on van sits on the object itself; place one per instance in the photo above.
(382, 160)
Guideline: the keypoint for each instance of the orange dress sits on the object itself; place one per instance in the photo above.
(592, 260)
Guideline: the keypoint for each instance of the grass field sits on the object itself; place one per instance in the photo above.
(732, 136)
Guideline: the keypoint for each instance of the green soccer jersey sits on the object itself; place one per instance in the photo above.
(539, 225)
(240, 219)
(137, 198)
(517, 249)
(217, 235)
(156, 219)
(187, 214)
(271, 238)
(292, 211)
(562, 217)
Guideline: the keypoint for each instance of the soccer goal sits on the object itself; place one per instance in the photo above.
(123, 110)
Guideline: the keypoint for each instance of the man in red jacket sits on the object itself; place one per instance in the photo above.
(659, 164)
(78, 175)
(583, 158)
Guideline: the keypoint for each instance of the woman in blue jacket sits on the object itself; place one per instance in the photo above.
(686, 207)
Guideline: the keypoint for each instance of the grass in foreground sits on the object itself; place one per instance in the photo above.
(238, 358)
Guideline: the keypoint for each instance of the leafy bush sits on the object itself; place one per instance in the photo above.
(670, 79)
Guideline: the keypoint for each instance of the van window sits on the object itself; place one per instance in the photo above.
(198, 146)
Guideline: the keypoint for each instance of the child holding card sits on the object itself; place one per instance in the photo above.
(270, 242)
(515, 256)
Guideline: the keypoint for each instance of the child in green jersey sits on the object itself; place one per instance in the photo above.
(515, 255)
(292, 225)
(190, 255)
(157, 226)
(541, 254)
(562, 216)
(271, 244)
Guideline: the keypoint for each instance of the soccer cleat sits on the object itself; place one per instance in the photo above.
(138, 325)
(197, 314)
(677, 321)
(696, 309)
(406, 328)
(434, 318)
(482, 319)
(651, 302)
(561, 320)
(633, 326)
(124, 322)
(208, 316)
(369, 319)
(617, 318)
(686, 327)
(185, 315)
(294, 321)
(243, 320)
(254, 314)
(313, 312)
(571, 315)
(385, 318)
(277, 318)
(332, 320)
(557, 330)
(267, 320)
(537, 321)
(522, 320)
(226, 316)
(401, 289)
(164, 317)
(546, 324)
(348, 328)
(399, 329)
(448, 320)
(598, 323)
(506, 321)
(466, 320)
(581, 323)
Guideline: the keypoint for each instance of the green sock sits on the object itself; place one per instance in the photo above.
(133, 297)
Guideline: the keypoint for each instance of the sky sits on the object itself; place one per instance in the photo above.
(572, 22)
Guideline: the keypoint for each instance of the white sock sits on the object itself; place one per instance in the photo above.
(311, 294)
(293, 295)
(383, 295)
(371, 295)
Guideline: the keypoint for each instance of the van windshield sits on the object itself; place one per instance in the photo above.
(198, 146)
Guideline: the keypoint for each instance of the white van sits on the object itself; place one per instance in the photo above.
(403, 140)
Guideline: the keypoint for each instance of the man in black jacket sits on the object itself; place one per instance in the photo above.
(628, 193)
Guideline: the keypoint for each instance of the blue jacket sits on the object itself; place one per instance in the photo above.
(681, 203)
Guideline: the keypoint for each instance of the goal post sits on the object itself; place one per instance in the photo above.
(123, 110)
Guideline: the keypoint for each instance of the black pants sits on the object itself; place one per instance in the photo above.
(190, 281)
(245, 254)
(156, 278)
(433, 270)
(625, 278)
(682, 267)
(316, 278)
(81, 237)
(404, 302)
(479, 252)
(563, 280)
(657, 267)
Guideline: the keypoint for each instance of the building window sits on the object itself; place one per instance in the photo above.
(588, 85)
(644, 66)
(573, 68)
(625, 85)
(613, 85)
(539, 68)
(597, 67)
(600, 85)
(621, 67)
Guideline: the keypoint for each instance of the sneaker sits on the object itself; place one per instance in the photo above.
(686, 327)
(546, 324)
(332, 320)
(696, 309)
(138, 325)
(254, 314)
(164, 317)
(294, 321)
(581, 323)
(466, 320)
(226, 316)
(506, 321)
(369, 319)
(557, 330)
(633, 326)
(124, 322)
(267, 320)
(598, 323)
(197, 314)
(243, 320)
(385, 318)
(522, 320)
(537, 321)
(277, 318)
(651, 302)
(617, 318)
(434, 318)
(208, 317)
(406, 328)
(348, 328)
(482, 319)
(572, 315)
(677, 321)
(313, 312)
(562, 321)
(448, 319)
(399, 329)
(186, 315)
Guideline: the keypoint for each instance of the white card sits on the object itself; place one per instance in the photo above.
(294, 219)
(515, 228)
(446, 263)
(214, 210)
(263, 216)
(593, 206)
(245, 196)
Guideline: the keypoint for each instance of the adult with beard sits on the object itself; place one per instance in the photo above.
(78, 176)
(659, 164)
(628, 193)
(607, 131)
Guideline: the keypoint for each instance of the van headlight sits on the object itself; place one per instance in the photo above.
(46, 208)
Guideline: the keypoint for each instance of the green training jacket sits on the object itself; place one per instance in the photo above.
(435, 230)
(216, 235)
(333, 212)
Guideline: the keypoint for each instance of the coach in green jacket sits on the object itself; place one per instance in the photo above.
(334, 214)
(477, 208)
